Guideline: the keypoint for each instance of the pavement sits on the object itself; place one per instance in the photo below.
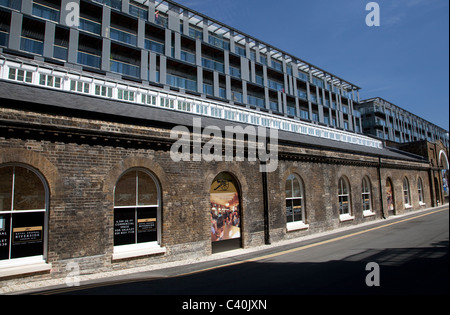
(214, 261)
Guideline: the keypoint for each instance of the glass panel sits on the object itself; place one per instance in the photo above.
(6, 175)
(27, 237)
(5, 231)
(288, 187)
(147, 192)
(125, 193)
(146, 225)
(297, 205)
(296, 188)
(29, 193)
(124, 226)
(289, 211)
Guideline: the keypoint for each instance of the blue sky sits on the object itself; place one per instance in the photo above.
(404, 61)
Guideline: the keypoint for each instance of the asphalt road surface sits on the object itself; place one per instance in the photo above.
(405, 256)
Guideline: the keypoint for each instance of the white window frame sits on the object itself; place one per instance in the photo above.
(297, 225)
(406, 193)
(341, 196)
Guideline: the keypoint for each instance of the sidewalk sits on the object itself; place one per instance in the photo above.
(200, 264)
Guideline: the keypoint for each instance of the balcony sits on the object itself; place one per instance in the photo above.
(89, 60)
(122, 36)
(90, 26)
(32, 45)
(154, 46)
(4, 36)
(60, 52)
(125, 68)
(45, 12)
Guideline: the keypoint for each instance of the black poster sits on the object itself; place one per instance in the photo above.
(4, 236)
(146, 225)
(27, 234)
(124, 225)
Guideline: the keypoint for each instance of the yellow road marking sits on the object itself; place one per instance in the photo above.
(293, 250)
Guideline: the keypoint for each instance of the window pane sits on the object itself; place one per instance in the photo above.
(288, 188)
(297, 205)
(27, 234)
(147, 190)
(4, 236)
(6, 175)
(146, 225)
(124, 225)
(296, 188)
(125, 193)
(29, 193)
(289, 211)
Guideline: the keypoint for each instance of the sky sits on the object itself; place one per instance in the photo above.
(405, 60)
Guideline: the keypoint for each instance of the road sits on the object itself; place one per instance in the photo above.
(412, 254)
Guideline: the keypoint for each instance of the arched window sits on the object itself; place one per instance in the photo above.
(137, 217)
(390, 195)
(420, 190)
(366, 196)
(344, 198)
(406, 194)
(295, 210)
(23, 213)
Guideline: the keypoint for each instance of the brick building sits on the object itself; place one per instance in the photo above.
(87, 169)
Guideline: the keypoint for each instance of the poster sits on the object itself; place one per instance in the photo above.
(225, 211)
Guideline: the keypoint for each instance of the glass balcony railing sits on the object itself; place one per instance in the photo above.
(125, 68)
(154, 46)
(45, 12)
(183, 83)
(213, 65)
(219, 42)
(257, 101)
(4, 38)
(138, 12)
(235, 72)
(122, 36)
(60, 52)
(13, 4)
(89, 60)
(32, 45)
(116, 4)
(90, 26)
(188, 57)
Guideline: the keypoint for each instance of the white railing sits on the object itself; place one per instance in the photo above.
(97, 86)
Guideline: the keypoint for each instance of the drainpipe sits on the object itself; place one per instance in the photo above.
(266, 207)
(381, 188)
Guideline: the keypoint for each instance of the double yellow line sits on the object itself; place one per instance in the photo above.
(293, 250)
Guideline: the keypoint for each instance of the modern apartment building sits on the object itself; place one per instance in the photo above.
(387, 121)
(87, 113)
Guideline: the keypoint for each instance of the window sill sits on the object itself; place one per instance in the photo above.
(368, 213)
(422, 204)
(295, 226)
(345, 217)
(408, 206)
(22, 266)
(137, 250)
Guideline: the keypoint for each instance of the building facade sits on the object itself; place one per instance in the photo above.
(89, 174)
(387, 121)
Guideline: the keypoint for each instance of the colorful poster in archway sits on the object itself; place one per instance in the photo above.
(225, 211)
(389, 195)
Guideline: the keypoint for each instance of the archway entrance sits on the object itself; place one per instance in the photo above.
(225, 213)
(390, 197)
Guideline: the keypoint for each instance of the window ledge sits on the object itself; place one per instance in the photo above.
(21, 266)
(422, 204)
(295, 226)
(137, 250)
(368, 213)
(345, 217)
(408, 206)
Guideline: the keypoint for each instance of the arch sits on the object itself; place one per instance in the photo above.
(344, 197)
(443, 160)
(137, 208)
(295, 201)
(390, 196)
(406, 193)
(225, 208)
(366, 194)
(24, 205)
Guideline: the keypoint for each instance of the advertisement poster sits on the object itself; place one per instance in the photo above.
(225, 213)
